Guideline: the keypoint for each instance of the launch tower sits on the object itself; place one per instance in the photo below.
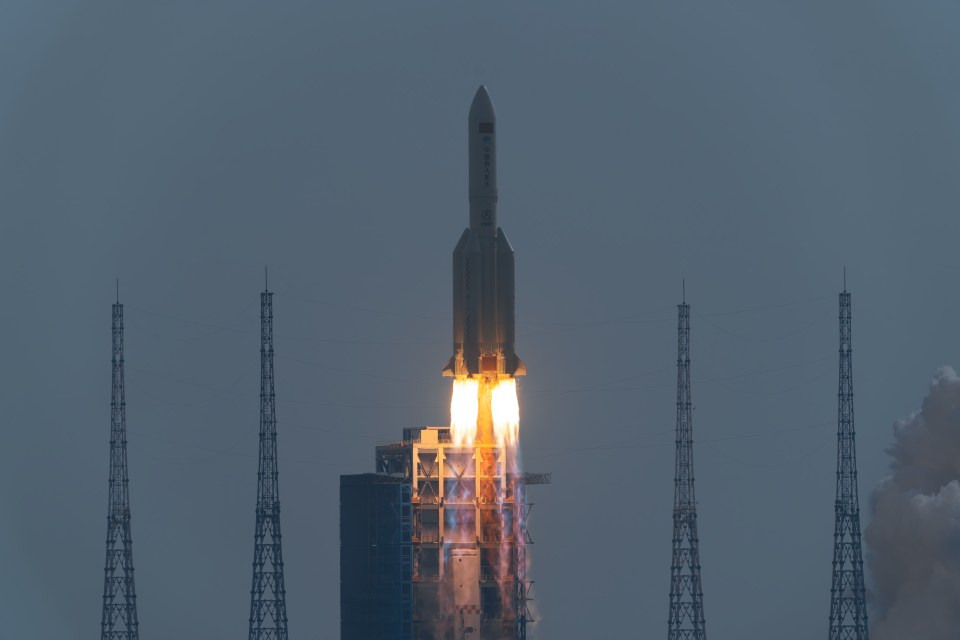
(119, 620)
(686, 593)
(848, 606)
(268, 603)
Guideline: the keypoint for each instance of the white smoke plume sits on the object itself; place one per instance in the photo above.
(913, 541)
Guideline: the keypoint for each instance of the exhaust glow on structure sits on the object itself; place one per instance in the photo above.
(506, 412)
(464, 407)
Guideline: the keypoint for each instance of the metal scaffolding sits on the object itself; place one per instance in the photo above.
(119, 619)
(468, 537)
(268, 606)
(848, 607)
(686, 592)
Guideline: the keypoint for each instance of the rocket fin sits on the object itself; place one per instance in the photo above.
(450, 369)
(519, 366)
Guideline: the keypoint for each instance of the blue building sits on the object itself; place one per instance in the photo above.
(375, 558)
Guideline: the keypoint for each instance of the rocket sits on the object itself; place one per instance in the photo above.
(483, 265)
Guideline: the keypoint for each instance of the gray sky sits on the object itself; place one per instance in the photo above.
(753, 148)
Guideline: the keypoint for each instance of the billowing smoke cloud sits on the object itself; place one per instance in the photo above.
(913, 541)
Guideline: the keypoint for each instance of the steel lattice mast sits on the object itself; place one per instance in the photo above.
(848, 606)
(119, 620)
(268, 606)
(686, 593)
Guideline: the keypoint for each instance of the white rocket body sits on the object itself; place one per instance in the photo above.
(484, 334)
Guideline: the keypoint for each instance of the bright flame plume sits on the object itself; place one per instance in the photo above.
(464, 407)
(506, 412)
(499, 413)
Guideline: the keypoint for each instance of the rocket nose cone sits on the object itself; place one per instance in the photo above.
(482, 107)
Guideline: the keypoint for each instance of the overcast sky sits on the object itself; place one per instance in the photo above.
(753, 148)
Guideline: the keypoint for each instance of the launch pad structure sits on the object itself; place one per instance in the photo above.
(439, 536)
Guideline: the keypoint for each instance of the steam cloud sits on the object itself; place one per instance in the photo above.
(913, 541)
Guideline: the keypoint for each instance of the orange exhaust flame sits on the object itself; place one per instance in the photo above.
(485, 411)
(506, 412)
(464, 407)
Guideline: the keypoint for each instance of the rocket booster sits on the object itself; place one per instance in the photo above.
(483, 279)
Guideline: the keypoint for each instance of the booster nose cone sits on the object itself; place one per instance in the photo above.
(482, 107)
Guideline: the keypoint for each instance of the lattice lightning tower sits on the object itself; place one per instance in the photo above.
(686, 593)
(268, 606)
(848, 606)
(119, 620)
